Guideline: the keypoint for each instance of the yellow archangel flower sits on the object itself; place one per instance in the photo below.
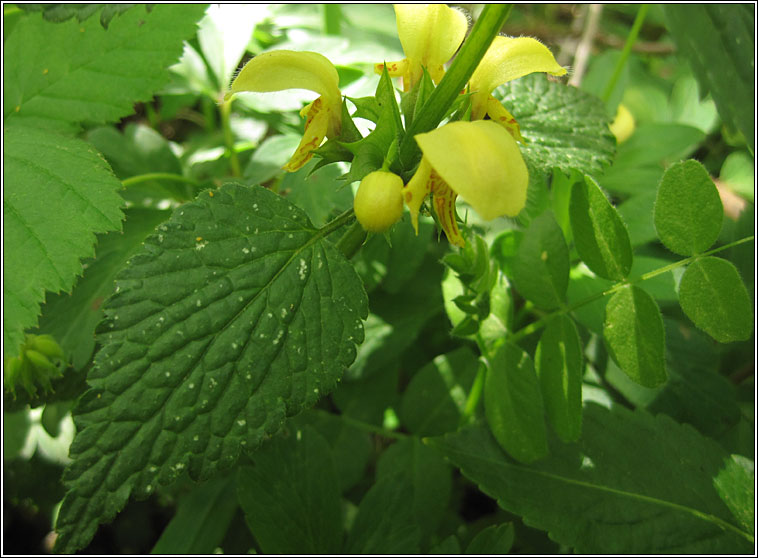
(507, 58)
(286, 69)
(430, 35)
(479, 161)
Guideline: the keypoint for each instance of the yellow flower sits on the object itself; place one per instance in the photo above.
(286, 69)
(507, 58)
(430, 35)
(479, 161)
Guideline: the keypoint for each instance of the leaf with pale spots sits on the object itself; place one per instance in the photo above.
(236, 314)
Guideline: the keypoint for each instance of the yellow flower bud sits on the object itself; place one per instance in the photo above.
(378, 203)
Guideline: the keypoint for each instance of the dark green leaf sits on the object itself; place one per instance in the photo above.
(429, 475)
(236, 314)
(351, 446)
(559, 366)
(719, 42)
(79, 72)
(634, 484)
(541, 266)
(15, 429)
(600, 236)
(714, 297)
(434, 400)
(385, 523)
(688, 209)
(57, 192)
(513, 404)
(319, 193)
(291, 495)
(563, 126)
(495, 539)
(633, 332)
(201, 520)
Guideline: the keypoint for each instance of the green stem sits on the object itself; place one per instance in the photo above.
(472, 401)
(332, 19)
(352, 240)
(234, 163)
(534, 326)
(484, 32)
(131, 181)
(630, 40)
(371, 428)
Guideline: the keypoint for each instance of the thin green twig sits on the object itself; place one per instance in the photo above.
(534, 326)
(630, 40)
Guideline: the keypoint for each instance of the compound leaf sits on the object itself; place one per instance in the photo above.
(235, 314)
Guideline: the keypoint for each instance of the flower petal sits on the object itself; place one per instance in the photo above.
(430, 35)
(481, 162)
(278, 70)
(499, 114)
(417, 189)
(444, 207)
(318, 116)
(509, 58)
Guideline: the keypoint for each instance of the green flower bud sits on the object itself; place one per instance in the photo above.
(378, 203)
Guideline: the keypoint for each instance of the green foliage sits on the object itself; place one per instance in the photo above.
(206, 353)
(48, 229)
(607, 494)
(718, 42)
(688, 210)
(187, 383)
(599, 233)
(558, 360)
(633, 331)
(513, 404)
(714, 297)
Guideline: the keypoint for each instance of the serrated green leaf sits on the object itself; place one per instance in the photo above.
(434, 400)
(559, 367)
(719, 41)
(72, 318)
(688, 210)
(351, 446)
(513, 404)
(735, 484)
(541, 266)
(79, 72)
(429, 475)
(57, 192)
(385, 523)
(599, 233)
(633, 332)
(563, 126)
(291, 496)
(201, 520)
(495, 539)
(235, 314)
(714, 297)
(634, 484)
